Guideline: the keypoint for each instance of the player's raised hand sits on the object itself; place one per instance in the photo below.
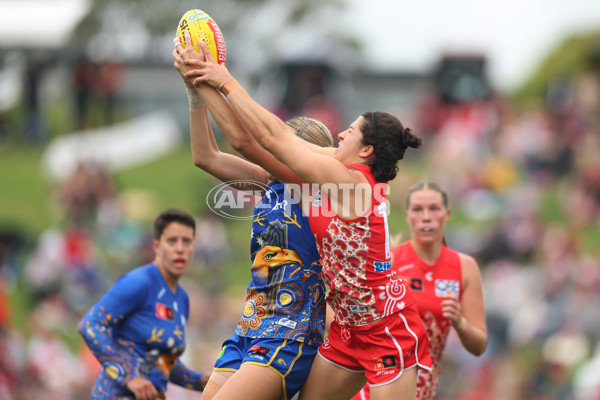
(208, 70)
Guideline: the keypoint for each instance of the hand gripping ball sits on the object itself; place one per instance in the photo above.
(203, 27)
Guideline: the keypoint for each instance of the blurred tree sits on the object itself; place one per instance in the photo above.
(255, 30)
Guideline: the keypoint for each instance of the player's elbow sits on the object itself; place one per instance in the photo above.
(199, 162)
(266, 142)
(263, 133)
(266, 137)
(242, 145)
(203, 162)
(477, 349)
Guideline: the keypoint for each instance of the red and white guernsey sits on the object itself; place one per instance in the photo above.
(356, 259)
(429, 284)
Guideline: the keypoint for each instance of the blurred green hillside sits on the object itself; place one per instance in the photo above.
(27, 200)
(576, 55)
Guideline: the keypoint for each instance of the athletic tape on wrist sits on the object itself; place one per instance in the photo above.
(229, 87)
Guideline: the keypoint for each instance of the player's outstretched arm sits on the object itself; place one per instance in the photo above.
(226, 119)
(269, 130)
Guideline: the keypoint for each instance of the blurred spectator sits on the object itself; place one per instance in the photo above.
(4, 307)
(14, 382)
(211, 251)
(89, 196)
(43, 268)
(583, 204)
(84, 76)
(307, 92)
(34, 74)
(587, 378)
(49, 359)
(111, 74)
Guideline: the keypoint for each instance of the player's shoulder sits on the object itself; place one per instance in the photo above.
(402, 248)
(468, 264)
(466, 259)
(140, 275)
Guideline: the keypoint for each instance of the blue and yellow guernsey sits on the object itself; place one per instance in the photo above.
(286, 296)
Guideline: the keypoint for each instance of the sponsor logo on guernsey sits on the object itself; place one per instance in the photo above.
(288, 323)
(445, 287)
(429, 276)
(357, 308)
(163, 311)
(382, 266)
(416, 284)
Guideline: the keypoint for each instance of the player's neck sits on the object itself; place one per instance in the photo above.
(170, 280)
(428, 253)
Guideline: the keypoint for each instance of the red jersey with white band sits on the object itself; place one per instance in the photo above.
(429, 284)
(356, 259)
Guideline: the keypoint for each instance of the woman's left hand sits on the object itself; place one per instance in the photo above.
(183, 55)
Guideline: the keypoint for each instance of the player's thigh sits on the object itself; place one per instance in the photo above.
(251, 382)
(215, 382)
(327, 381)
(403, 388)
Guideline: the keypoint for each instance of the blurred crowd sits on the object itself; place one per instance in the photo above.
(524, 178)
(501, 164)
(95, 88)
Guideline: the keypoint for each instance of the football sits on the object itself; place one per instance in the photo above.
(203, 27)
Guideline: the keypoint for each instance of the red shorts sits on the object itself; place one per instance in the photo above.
(383, 350)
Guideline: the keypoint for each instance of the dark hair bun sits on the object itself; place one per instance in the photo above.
(411, 139)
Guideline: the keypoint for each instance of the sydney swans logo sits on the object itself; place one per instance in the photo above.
(237, 199)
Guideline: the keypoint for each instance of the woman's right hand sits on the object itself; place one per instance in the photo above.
(207, 70)
(142, 388)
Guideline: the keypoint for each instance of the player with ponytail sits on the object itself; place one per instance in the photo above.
(446, 283)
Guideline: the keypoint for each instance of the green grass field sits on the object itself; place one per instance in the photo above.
(25, 194)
